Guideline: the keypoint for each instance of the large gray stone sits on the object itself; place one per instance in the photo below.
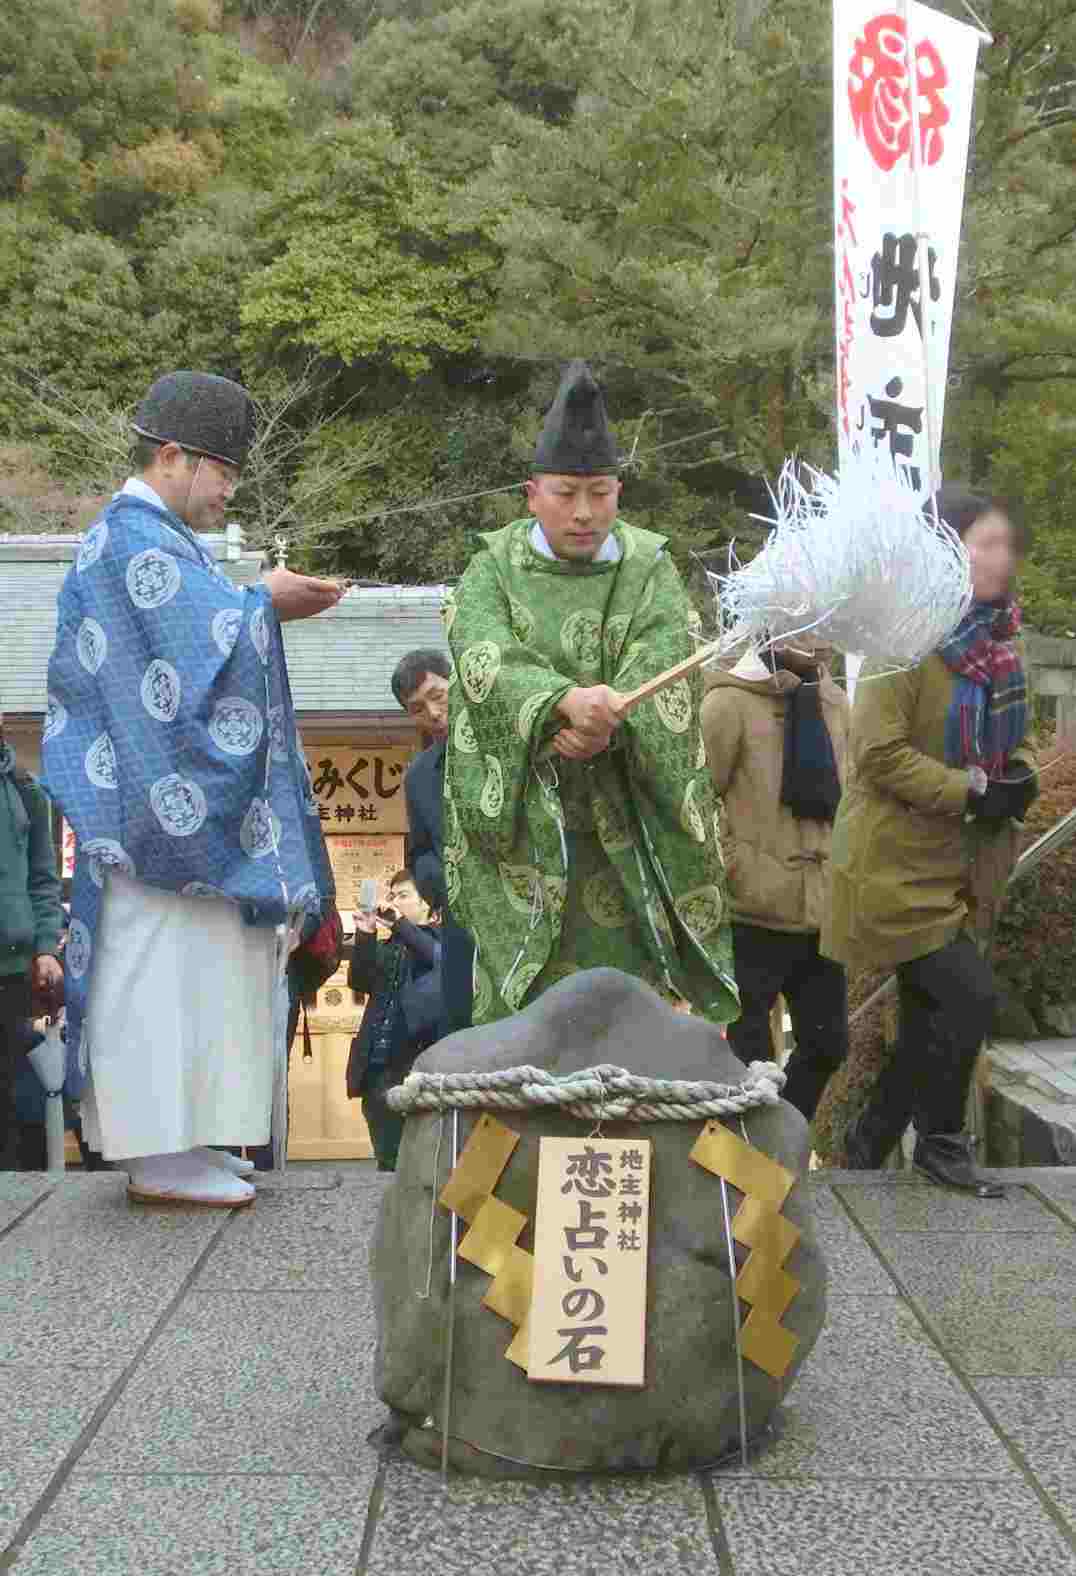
(1060, 1018)
(686, 1414)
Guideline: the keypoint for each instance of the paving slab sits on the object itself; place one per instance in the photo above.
(299, 1177)
(890, 1529)
(920, 1206)
(297, 1238)
(249, 1382)
(854, 1267)
(612, 1526)
(1037, 1415)
(196, 1526)
(84, 1278)
(1002, 1304)
(1060, 1188)
(18, 1190)
(875, 1399)
(238, 1442)
(42, 1414)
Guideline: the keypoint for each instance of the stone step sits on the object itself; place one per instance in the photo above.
(1030, 1090)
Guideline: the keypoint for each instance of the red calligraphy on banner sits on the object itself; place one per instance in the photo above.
(846, 292)
(879, 92)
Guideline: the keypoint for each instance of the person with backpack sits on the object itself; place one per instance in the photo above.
(401, 978)
(31, 923)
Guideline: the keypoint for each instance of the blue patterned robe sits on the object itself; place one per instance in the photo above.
(170, 743)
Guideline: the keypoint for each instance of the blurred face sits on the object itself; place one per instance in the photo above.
(193, 486)
(575, 512)
(428, 705)
(801, 655)
(406, 901)
(992, 551)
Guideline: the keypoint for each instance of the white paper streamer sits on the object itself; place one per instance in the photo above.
(857, 562)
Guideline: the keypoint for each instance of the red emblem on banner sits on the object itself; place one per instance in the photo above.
(879, 92)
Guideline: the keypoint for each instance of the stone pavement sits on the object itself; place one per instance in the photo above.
(184, 1393)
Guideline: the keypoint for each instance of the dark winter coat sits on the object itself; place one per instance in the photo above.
(31, 917)
(386, 972)
(424, 788)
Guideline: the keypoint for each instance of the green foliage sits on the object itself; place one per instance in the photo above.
(130, 182)
(20, 137)
(373, 269)
(74, 317)
(425, 441)
(191, 289)
(106, 71)
(455, 82)
(507, 186)
(1035, 948)
(262, 115)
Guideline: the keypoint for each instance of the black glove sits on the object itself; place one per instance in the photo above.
(1005, 799)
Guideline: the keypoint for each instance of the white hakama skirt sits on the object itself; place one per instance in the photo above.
(179, 1024)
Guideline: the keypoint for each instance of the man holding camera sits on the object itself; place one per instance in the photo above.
(401, 979)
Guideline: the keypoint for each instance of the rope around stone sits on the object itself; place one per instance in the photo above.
(597, 1094)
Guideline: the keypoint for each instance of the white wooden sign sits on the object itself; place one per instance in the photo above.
(591, 1243)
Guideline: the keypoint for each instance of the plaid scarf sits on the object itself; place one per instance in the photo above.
(987, 716)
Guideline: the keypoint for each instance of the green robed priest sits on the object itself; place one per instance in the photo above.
(576, 837)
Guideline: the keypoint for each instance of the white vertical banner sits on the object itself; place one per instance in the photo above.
(897, 222)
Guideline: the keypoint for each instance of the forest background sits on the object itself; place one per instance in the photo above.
(395, 219)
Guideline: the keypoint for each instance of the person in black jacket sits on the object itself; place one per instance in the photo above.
(420, 684)
(400, 977)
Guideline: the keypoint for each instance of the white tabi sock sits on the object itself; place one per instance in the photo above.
(220, 1157)
(187, 1175)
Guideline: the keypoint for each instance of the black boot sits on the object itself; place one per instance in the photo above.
(872, 1137)
(947, 1158)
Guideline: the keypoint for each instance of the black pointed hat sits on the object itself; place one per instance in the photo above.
(576, 439)
(201, 412)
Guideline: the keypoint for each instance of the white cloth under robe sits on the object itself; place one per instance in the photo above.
(179, 1024)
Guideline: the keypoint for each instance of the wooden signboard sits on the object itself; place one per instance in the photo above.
(359, 787)
(591, 1238)
(353, 859)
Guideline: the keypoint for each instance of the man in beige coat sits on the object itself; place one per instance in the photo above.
(776, 734)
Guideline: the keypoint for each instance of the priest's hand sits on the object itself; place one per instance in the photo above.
(594, 710)
(575, 746)
(300, 596)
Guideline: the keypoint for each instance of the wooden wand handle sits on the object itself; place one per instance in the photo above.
(663, 681)
(653, 686)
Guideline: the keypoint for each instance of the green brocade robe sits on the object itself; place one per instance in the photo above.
(556, 865)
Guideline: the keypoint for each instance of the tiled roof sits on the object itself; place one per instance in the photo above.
(342, 660)
(338, 662)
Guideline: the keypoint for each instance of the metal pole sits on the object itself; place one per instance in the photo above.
(450, 1333)
(735, 1318)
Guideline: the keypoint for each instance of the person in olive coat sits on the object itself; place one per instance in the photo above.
(923, 844)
